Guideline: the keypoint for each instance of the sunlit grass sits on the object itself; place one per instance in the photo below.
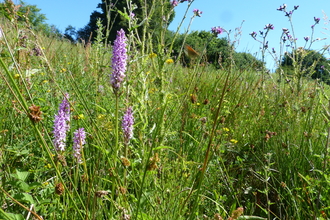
(207, 142)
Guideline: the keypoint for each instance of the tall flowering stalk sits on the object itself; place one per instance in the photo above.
(119, 61)
(61, 124)
(127, 125)
(118, 65)
(78, 143)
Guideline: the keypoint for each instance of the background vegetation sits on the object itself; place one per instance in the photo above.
(215, 136)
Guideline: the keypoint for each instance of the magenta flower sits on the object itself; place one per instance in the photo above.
(288, 14)
(269, 27)
(253, 34)
(216, 30)
(317, 20)
(306, 38)
(174, 3)
(119, 60)
(127, 124)
(197, 12)
(78, 143)
(282, 7)
(61, 124)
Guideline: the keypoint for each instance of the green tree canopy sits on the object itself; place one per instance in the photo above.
(27, 13)
(308, 62)
(246, 61)
(217, 52)
(115, 14)
(33, 14)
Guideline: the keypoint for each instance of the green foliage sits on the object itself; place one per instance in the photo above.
(216, 51)
(309, 63)
(70, 33)
(246, 61)
(117, 15)
(32, 13)
(208, 143)
(25, 14)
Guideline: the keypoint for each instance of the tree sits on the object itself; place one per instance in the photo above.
(27, 14)
(218, 51)
(115, 14)
(246, 61)
(307, 63)
(35, 18)
(70, 33)
(215, 47)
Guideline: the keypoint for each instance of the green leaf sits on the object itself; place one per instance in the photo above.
(20, 175)
(125, 15)
(4, 215)
(23, 186)
(24, 197)
(101, 108)
(250, 217)
(163, 147)
(31, 72)
(10, 216)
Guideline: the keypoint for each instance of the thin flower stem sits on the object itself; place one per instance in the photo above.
(20, 204)
(125, 170)
(116, 129)
(185, 37)
(19, 97)
(200, 175)
(179, 26)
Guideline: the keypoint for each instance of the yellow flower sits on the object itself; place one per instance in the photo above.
(45, 81)
(108, 126)
(42, 73)
(63, 70)
(169, 61)
(225, 129)
(234, 141)
(81, 116)
(100, 116)
(16, 76)
(152, 55)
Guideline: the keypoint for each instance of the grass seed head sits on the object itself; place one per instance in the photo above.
(59, 189)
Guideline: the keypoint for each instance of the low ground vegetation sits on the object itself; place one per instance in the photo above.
(169, 142)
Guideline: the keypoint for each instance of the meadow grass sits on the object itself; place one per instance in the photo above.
(208, 143)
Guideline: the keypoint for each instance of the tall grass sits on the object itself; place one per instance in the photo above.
(208, 143)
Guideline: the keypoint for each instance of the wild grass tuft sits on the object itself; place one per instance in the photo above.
(197, 142)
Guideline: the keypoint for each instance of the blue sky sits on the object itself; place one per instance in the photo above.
(227, 14)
